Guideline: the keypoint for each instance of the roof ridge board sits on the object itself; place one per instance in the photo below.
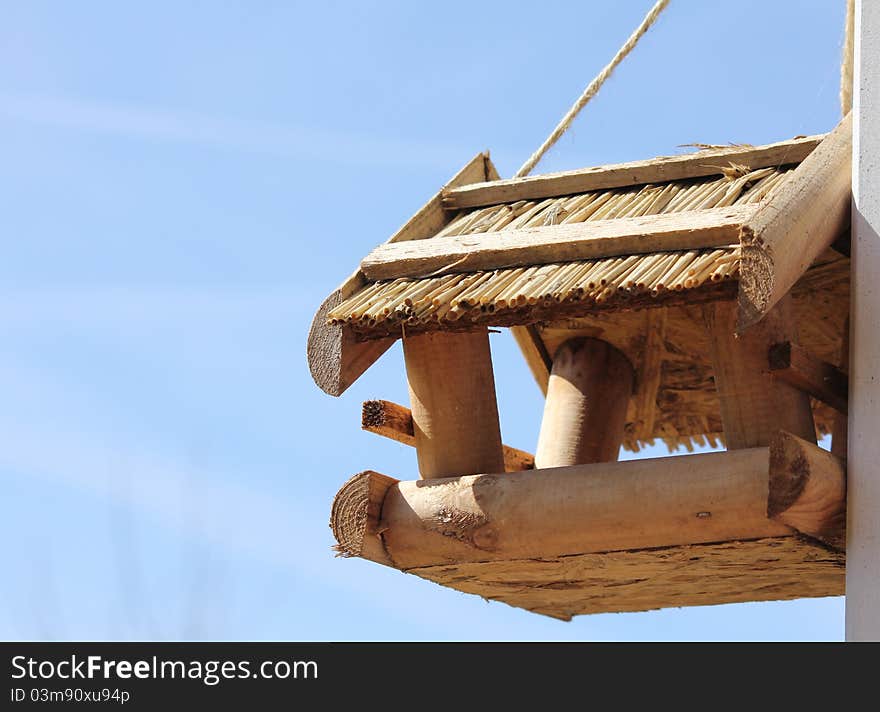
(660, 169)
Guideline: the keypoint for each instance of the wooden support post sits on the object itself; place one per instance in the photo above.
(753, 403)
(585, 412)
(452, 393)
(863, 485)
(394, 421)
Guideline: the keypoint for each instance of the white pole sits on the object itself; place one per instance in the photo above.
(863, 501)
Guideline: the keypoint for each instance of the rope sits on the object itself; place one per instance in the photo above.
(593, 88)
(846, 65)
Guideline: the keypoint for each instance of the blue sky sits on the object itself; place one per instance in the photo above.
(181, 185)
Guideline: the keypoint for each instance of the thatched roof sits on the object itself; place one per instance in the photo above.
(644, 298)
(526, 294)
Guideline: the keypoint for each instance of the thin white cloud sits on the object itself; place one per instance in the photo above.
(249, 135)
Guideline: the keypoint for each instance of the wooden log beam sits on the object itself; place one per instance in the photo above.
(753, 403)
(637, 504)
(585, 411)
(797, 367)
(337, 358)
(655, 170)
(713, 227)
(807, 489)
(452, 394)
(808, 212)
(394, 421)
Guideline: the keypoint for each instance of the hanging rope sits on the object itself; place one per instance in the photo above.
(846, 65)
(593, 88)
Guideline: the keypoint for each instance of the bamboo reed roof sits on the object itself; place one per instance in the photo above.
(523, 295)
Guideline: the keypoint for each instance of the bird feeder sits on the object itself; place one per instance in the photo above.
(692, 300)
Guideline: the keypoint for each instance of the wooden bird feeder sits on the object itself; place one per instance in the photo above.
(695, 299)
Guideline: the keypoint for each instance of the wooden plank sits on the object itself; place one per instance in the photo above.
(650, 371)
(558, 243)
(754, 405)
(394, 421)
(585, 411)
(452, 396)
(797, 367)
(863, 535)
(772, 569)
(655, 170)
(561, 511)
(801, 220)
(336, 357)
(807, 489)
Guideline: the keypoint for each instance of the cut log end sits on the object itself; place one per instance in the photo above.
(324, 348)
(804, 217)
(790, 473)
(373, 414)
(355, 514)
(755, 283)
(336, 358)
(807, 489)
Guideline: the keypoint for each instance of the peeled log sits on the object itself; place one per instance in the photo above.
(625, 536)
(808, 489)
(807, 213)
(572, 510)
(454, 411)
(585, 411)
